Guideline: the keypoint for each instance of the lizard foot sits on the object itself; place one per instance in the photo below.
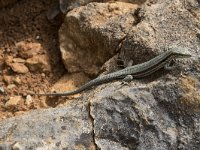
(127, 79)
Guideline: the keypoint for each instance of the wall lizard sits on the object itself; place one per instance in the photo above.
(136, 71)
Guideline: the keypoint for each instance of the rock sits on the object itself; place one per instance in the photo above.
(70, 82)
(2, 90)
(28, 50)
(11, 86)
(19, 68)
(153, 35)
(17, 80)
(17, 146)
(65, 6)
(18, 60)
(8, 60)
(38, 63)
(14, 102)
(98, 28)
(129, 113)
(57, 128)
(157, 112)
(190, 97)
(18, 112)
(38, 37)
(43, 75)
(8, 79)
(16, 64)
(28, 100)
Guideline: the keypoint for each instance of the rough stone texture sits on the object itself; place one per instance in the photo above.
(19, 68)
(39, 63)
(159, 112)
(162, 23)
(8, 79)
(61, 128)
(70, 82)
(14, 102)
(90, 35)
(27, 50)
(133, 119)
(143, 116)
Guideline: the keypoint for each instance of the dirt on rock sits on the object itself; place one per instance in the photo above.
(27, 38)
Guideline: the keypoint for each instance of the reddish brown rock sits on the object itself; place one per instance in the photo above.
(17, 80)
(8, 79)
(98, 29)
(28, 50)
(8, 60)
(38, 63)
(70, 82)
(18, 60)
(19, 68)
(14, 102)
(11, 86)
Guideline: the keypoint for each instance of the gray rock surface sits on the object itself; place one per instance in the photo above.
(59, 128)
(141, 116)
(159, 112)
(162, 23)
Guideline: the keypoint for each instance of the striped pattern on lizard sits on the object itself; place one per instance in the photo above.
(136, 71)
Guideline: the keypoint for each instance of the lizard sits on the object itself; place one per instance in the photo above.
(137, 71)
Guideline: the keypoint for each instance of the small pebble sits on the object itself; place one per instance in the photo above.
(19, 68)
(14, 101)
(2, 90)
(8, 79)
(17, 80)
(43, 75)
(29, 100)
(11, 86)
(17, 146)
(38, 37)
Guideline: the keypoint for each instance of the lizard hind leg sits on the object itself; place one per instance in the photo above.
(127, 79)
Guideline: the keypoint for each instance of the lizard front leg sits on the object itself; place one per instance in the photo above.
(170, 65)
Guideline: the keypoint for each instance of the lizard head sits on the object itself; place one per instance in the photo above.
(180, 52)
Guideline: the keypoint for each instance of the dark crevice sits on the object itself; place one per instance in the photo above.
(137, 17)
(119, 45)
(92, 121)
